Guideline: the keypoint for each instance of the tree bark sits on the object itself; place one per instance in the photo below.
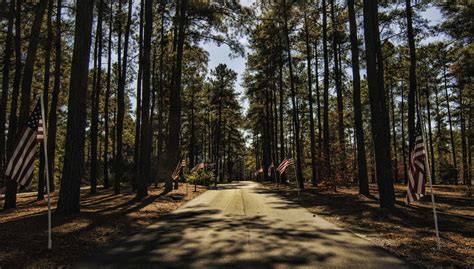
(30, 62)
(404, 151)
(358, 121)
(96, 89)
(53, 113)
(430, 135)
(326, 157)
(106, 103)
(299, 173)
(438, 128)
(10, 185)
(451, 134)
(7, 54)
(394, 133)
(174, 118)
(380, 118)
(136, 152)
(310, 103)
(412, 84)
(340, 104)
(73, 171)
(10, 192)
(161, 92)
(281, 108)
(318, 101)
(47, 70)
(145, 142)
(465, 167)
(121, 104)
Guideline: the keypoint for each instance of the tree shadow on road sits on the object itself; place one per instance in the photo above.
(204, 237)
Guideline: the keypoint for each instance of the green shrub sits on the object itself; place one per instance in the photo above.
(448, 173)
(202, 177)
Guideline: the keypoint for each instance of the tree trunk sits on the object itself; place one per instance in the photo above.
(358, 121)
(192, 139)
(281, 108)
(337, 78)
(106, 103)
(153, 107)
(310, 103)
(318, 101)
(465, 167)
(412, 84)
(53, 113)
(11, 186)
(10, 192)
(47, 70)
(121, 104)
(145, 143)
(174, 118)
(438, 128)
(161, 88)
(73, 171)
(326, 157)
(404, 151)
(394, 133)
(136, 152)
(451, 135)
(7, 54)
(430, 135)
(96, 89)
(30, 62)
(380, 118)
(299, 173)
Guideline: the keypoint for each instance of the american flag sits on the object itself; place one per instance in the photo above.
(270, 169)
(179, 168)
(417, 171)
(198, 167)
(283, 165)
(258, 171)
(21, 165)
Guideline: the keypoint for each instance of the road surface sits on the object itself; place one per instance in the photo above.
(242, 225)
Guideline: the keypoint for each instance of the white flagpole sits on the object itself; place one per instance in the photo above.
(45, 145)
(296, 175)
(275, 174)
(428, 166)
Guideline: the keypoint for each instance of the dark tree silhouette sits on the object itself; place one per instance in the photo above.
(73, 170)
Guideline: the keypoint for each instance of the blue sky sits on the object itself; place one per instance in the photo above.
(220, 54)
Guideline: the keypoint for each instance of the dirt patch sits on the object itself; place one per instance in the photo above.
(105, 218)
(406, 231)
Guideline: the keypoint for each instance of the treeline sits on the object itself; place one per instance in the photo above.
(94, 61)
(338, 85)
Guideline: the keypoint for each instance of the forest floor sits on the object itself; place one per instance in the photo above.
(105, 218)
(407, 231)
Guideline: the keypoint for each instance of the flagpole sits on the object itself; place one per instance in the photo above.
(297, 181)
(45, 145)
(275, 174)
(427, 163)
(184, 169)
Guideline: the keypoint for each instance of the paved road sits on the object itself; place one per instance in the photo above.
(241, 225)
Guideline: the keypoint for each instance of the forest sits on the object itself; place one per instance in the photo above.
(338, 87)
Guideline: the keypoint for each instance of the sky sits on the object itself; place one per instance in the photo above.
(220, 54)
